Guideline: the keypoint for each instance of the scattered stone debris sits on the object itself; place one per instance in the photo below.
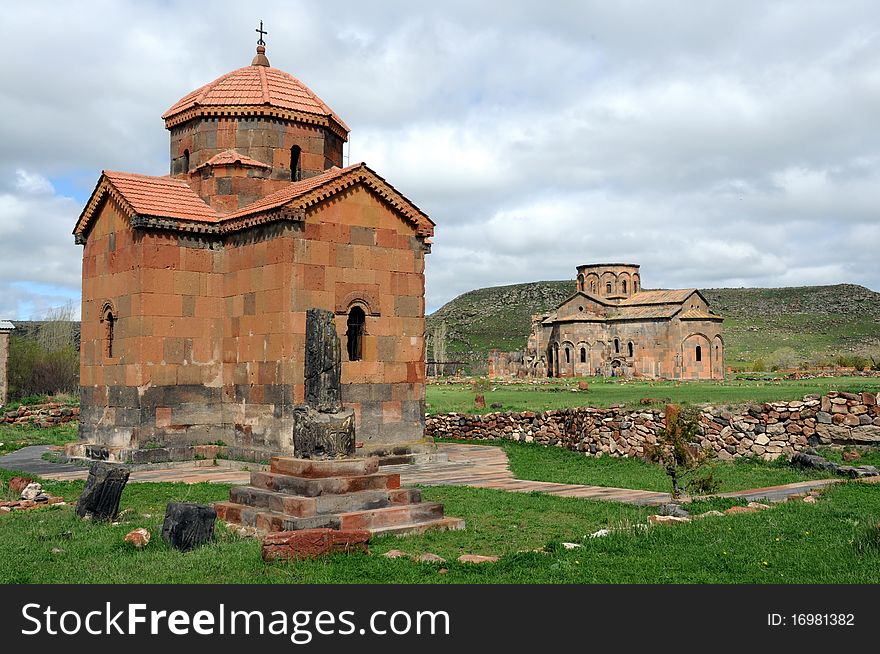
(740, 509)
(442, 571)
(496, 405)
(313, 543)
(476, 558)
(711, 514)
(187, 526)
(138, 537)
(394, 554)
(850, 456)
(600, 534)
(666, 519)
(673, 510)
(571, 546)
(18, 484)
(758, 505)
(480, 401)
(809, 499)
(810, 459)
(103, 490)
(34, 491)
(430, 557)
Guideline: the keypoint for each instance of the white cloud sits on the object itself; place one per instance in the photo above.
(715, 143)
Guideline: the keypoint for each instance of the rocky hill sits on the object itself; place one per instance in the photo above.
(817, 322)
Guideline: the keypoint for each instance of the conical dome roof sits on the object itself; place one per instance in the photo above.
(257, 89)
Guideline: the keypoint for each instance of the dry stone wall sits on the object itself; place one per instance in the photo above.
(766, 430)
(41, 415)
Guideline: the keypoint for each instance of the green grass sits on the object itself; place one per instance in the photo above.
(867, 456)
(538, 463)
(459, 397)
(832, 541)
(14, 437)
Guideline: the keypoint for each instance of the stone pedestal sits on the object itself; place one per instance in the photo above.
(341, 494)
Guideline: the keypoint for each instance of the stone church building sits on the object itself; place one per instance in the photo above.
(195, 285)
(611, 327)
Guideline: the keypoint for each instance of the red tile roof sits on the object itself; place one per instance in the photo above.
(255, 86)
(170, 198)
(665, 296)
(229, 157)
(161, 196)
(699, 314)
(314, 189)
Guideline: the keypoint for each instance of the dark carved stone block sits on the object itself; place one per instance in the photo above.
(323, 435)
(187, 525)
(100, 497)
(323, 362)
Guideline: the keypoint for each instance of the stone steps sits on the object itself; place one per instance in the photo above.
(340, 494)
(310, 487)
(441, 524)
(304, 507)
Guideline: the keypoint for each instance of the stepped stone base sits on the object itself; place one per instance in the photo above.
(339, 494)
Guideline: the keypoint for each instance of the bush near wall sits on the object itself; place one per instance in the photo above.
(767, 430)
(35, 370)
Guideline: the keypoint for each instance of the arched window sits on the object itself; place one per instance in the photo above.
(567, 355)
(617, 346)
(635, 286)
(583, 355)
(185, 161)
(580, 282)
(630, 348)
(608, 288)
(109, 320)
(624, 285)
(592, 287)
(295, 169)
(355, 334)
(699, 353)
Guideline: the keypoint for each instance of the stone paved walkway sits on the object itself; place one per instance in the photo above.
(479, 466)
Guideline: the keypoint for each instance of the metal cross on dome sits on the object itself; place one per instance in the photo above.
(260, 41)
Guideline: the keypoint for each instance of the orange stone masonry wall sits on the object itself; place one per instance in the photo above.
(195, 288)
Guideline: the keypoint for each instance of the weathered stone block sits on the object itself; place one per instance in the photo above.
(323, 435)
(313, 543)
(187, 526)
(100, 497)
(323, 362)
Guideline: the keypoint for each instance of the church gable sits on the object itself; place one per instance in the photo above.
(581, 306)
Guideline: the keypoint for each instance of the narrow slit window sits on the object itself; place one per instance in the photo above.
(617, 346)
(185, 161)
(583, 355)
(624, 285)
(355, 334)
(295, 168)
(699, 353)
(630, 348)
(567, 355)
(109, 332)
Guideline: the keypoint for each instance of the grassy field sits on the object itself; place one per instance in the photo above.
(14, 437)
(538, 463)
(445, 398)
(833, 541)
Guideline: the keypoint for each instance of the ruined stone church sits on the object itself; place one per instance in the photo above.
(196, 284)
(610, 326)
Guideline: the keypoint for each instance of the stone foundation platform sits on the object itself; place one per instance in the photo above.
(341, 494)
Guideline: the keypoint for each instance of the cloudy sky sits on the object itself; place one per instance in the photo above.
(716, 143)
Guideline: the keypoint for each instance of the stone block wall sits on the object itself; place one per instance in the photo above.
(210, 338)
(767, 430)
